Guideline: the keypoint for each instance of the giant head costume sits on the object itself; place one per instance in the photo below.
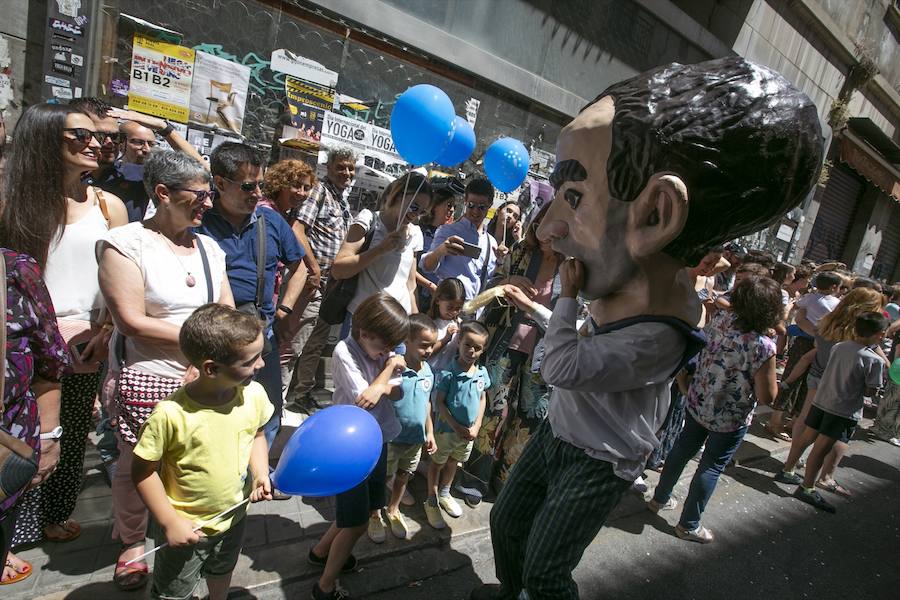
(669, 163)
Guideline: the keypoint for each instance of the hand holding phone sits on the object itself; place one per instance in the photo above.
(471, 250)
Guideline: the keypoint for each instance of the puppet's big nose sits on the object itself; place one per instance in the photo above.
(552, 230)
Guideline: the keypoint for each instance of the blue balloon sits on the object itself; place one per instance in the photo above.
(506, 164)
(331, 452)
(422, 123)
(461, 144)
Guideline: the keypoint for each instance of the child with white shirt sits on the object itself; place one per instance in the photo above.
(363, 366)
(446, 305)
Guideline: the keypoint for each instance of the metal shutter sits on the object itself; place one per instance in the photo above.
(889, 250)
(829, 234)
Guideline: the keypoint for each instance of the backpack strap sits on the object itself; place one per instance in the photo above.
(260, 257)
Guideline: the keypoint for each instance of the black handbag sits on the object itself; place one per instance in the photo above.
(340, 292)
(18, 464)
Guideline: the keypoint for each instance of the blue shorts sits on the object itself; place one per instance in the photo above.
(353, 507)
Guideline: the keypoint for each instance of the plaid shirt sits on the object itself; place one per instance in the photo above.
(327, 218)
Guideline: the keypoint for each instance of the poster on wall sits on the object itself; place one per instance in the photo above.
(307, 103)
(161, 76)
(219, 93)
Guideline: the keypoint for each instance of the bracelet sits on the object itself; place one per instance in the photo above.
(165, 131)
(285, 309)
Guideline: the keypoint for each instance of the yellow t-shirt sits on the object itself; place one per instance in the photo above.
(204, 452)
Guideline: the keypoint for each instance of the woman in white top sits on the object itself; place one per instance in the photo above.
(53, 216)
(153, 275)
(389, 263)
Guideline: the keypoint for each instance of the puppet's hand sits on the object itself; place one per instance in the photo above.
(571, 277)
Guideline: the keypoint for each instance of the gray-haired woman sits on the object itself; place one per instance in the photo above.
(153, 275)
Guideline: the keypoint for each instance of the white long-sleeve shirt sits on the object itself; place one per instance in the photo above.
(611, 390)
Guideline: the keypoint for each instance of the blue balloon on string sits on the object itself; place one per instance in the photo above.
(422, 123)
(331, 452)
(506, 164)
(460, 146)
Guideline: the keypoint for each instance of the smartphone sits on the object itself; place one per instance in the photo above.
(471, 250)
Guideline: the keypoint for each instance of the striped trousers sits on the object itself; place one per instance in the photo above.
(553, 505)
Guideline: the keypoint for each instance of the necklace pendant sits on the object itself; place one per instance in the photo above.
(190, 281)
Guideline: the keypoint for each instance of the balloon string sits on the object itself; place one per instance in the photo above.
(405, 209)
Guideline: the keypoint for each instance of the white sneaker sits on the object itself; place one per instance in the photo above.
(449, 504)
(290, 418)
(894, 441)
(398, 525)
(435, 518)
(376, 528)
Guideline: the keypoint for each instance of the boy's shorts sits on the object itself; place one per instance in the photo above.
(812, 382)
(177, 571)
(451, 445)
(403, 457)
(829, 425)
(353, 507)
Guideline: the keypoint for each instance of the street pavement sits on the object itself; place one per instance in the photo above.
(768, 545)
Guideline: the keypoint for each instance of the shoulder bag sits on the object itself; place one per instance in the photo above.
(339, 292)
(18, 464)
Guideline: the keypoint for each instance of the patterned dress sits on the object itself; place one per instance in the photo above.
(34, 348)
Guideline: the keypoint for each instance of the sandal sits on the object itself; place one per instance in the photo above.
(71, 530)
(834, 487)
(128, 577)
(19, 575)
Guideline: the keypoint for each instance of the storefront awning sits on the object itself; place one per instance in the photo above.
(870, 162)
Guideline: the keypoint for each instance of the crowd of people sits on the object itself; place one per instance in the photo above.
(185, 306)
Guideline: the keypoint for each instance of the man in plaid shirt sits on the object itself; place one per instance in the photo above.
(321, 224)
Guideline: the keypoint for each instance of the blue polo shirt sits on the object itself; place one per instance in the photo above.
(468, 270)
(282, 247)
(463, 394)
(412, 408)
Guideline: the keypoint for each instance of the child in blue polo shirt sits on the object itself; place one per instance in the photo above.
(460, 402)
(413, 410)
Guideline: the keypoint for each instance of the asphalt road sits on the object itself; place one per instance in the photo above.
(768, 545)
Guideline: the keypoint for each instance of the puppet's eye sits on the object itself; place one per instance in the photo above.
(573, 197)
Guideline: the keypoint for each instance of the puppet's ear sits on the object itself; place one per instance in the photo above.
(657, 215)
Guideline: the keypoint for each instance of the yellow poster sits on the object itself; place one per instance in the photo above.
(161, 76)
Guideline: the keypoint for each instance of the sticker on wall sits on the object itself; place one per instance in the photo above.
(118, 87)
(77, 60)
(69, 8)
(61, 92)
(66, 27)
(59, 81)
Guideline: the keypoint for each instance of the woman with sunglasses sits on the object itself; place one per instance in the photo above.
(441, 213)
(389, 262)
(530, 277)
(53, 215)
(154, 274)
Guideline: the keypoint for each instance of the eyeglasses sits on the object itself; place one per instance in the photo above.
(199, 195)
(141, 143)
(247, 186)
(477, 205)
(83, 136)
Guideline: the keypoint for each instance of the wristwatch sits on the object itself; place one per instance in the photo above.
(285, 309)
(165, 131)
(53, 434)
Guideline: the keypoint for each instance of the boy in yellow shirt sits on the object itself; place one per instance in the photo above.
(191, 460)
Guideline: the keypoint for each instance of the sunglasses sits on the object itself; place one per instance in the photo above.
(477, 205)
(246, 186)
(83, 136)
(199, 195)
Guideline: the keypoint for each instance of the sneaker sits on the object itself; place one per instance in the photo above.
(814, 498)
(893, 441)
(449, 504)
(338, 593)
(701, 535)
(435, 518)
(790, 478)
(376, 528)
(279, 495)
(640, 485)
(472, 500)
(407, 498)
(290, 418)
(398, 525)
(655, 506)
(318, 561)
